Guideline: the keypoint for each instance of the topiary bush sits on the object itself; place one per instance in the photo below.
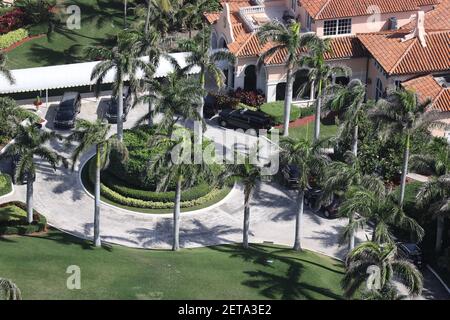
(12, 37)
(18, 224)
(276, 111)
(5, 184)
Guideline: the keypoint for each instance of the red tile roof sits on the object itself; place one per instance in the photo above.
(329, 9)
(427, 87)
(437, 19)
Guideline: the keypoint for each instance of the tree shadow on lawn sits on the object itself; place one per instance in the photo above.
(272, 285)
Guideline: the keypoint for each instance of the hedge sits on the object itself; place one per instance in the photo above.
(5, 184)
(12, 37)
(39, 223)
(308, 111)
(276, 111)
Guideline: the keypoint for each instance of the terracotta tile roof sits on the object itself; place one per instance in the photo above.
(427, 87)
(437, 19)
(329, 9)
(409, 57)
(212, 17)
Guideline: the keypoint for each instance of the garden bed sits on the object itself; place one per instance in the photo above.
(5, 184)
(13, 220)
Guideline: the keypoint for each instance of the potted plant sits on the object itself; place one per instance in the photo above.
(37, 102)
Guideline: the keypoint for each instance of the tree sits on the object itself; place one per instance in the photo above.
(4, 71)
(248, 174)
(88, 134)
(287, 38)
(381, 210)
(30, 142)
(9, 290)
(202, 57)
(310, 160)
(124, 62)
(320, 73)
(402, 113)
(383, 261)
(157, 15)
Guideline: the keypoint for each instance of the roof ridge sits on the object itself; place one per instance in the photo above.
(245, 43)
(403, 55)
(323, 8)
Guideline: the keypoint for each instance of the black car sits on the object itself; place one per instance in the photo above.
(312, 196)
(111, 112)
(67, 110)
(412, 253)
(330, 210)
(291, 176)
(245, 119)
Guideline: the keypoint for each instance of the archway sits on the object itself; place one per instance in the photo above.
(281, 91)
(222, 43)
(214, 40)
(302, 88)
(250, 77)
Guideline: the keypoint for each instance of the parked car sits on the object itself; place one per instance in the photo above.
(329, 211)
(111, 112)
(312, 196)
(245, 119)
(291, 176)
(412, 253)
(67, 110)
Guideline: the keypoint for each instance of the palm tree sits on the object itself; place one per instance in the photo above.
(30, 142)
(287, 38)
(402, 113)
(310, 160)
(320, 73)
(4, 71)
(157, 15)
(182, 170)
(381, 210)
(349, 101)
(88, 134)
(202, 57)
(384, 259)
(125, 62)
(340, 178)
(248, 174)
(9, 290)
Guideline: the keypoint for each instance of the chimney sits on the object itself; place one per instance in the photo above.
(419, 31)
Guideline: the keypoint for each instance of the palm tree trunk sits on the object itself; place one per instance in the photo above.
(125, 9)
(351, 244)
(97, 240)
(318, 111)
(288, 101)
(120, 113)
(355, 141)
(199, 128)
(147, 18)
(404, 171)
(439, 233)
(29, 199)
(299, 220)
(246, 220)
(176, 216)
(150, 113)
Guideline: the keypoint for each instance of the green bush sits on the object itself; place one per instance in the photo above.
(241, 106)
(306, 112)
(276, 111)
(12, 37)
(20, 226)
(5, 184)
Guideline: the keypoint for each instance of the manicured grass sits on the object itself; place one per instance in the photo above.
(307, 131)
(38, 266)
(100, 19)
(276, 111)
(5, 184)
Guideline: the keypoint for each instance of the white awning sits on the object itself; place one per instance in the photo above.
(75, 75)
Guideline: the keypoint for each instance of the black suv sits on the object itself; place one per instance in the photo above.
(330, 210)
(111, 112)
(291, 176)
(412, 253)
(245, 119)
(67, 110)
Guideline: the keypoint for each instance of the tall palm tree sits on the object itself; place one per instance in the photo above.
(402, 113)
(320, 73)
(124, 62)
(310, 160)
(340, 178)
(157, 15)
(9, 290)
(86, 135)
(379, 209)
(248, 174)
(4, 71)
(350, 101)
(30, 142)
(383, 258)
(287, 38)
(202, 57)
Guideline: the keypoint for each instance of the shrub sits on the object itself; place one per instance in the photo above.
(12, 20)
(20, 226)
(241, 106)
(224, 101)
(12, 37)
(5, 184)
(276, 111)
(250, 98)
(306, 112)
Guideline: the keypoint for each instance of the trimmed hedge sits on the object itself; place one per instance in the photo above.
(5, 184)
(276, 111)
(306, 112)
(12, 37)
(21, 227)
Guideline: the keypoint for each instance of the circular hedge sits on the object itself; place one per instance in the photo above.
(13, 222)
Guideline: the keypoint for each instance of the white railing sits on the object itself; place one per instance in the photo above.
(244, 15)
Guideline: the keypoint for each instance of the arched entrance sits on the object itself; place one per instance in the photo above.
(302, 88)
(222, 43)
(281, 91)
(214, 41)
(250, 77)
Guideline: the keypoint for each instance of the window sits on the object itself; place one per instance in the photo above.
(308, 22)
(397, 84)
(379, 90)
(337, 27)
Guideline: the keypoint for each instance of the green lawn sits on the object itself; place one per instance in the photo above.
(307, 131)
(99, 20)
(38, 266)
(5, 184)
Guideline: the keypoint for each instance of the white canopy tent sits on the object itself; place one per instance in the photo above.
(75, 75)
